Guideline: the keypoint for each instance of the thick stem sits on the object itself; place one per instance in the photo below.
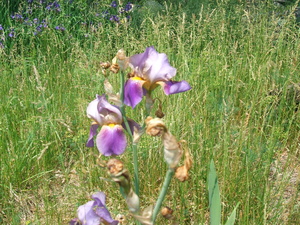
(162, 193)
(134, 145)
(136, 170)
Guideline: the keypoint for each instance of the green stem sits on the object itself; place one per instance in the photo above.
(162, 193)
(135, 168)
(134, 145)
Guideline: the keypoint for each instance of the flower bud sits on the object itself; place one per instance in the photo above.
(119, 62)
(121, 55)
(108, 87)
(172, 150)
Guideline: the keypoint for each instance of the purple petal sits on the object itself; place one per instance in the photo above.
(100, 208)
(92, 110)
(103, 112)
(87, 215)
(133, 92)
(152, 66)
(159, 67)
(111, 140)
(74, 222)
(109, 113)
(131, 124)
(139, 60)
(93, 132)
(104, 214)
(174, 87)
(99, 197)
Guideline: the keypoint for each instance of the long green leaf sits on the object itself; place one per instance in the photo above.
(232, 216)
(214, 196)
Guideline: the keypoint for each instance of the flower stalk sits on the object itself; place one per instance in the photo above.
(162, 193)
(134, 144)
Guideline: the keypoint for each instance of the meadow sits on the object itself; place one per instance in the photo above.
(241, 59)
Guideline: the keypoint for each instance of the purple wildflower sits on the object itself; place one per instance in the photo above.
(60, 28)
(114, 4)
(151, 69)
(111, 139)
(128, 7)
(17, 17)
(114, 18)
(94, 212)
(12, 33)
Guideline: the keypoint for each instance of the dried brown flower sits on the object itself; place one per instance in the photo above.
(115, 166)
(155, 127)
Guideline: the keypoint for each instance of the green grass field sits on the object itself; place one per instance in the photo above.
(233, 54)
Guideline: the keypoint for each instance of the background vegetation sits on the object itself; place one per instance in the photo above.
(240, 57)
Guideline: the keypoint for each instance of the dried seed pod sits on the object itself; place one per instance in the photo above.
(167, 212)
(105, 65)
(182, 172)
(155, 127)
(114, 68)
(115, 166)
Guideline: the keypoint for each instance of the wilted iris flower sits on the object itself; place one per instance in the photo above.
(94, 212)
(111, 139)
(151, 69)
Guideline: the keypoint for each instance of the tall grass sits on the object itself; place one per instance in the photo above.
(232, 57)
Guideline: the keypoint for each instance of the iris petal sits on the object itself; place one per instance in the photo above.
(159, 67)
(93, 132)
(133, 92)
(92, 111)
(174, 87)
(87, 215)
(111, 140)
(101, 210)
(108, 112)
(152, 66)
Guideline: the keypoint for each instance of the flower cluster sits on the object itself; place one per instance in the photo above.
(119, 13)
(148, 70)
(36, 16)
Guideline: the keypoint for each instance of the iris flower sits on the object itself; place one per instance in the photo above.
(151, 69)
(94, 212)
(111, 139)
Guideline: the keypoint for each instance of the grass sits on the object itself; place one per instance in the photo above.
(232, 57)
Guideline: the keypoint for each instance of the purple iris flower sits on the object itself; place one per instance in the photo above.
(151, 69)
(94, 212)
(111, 139)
